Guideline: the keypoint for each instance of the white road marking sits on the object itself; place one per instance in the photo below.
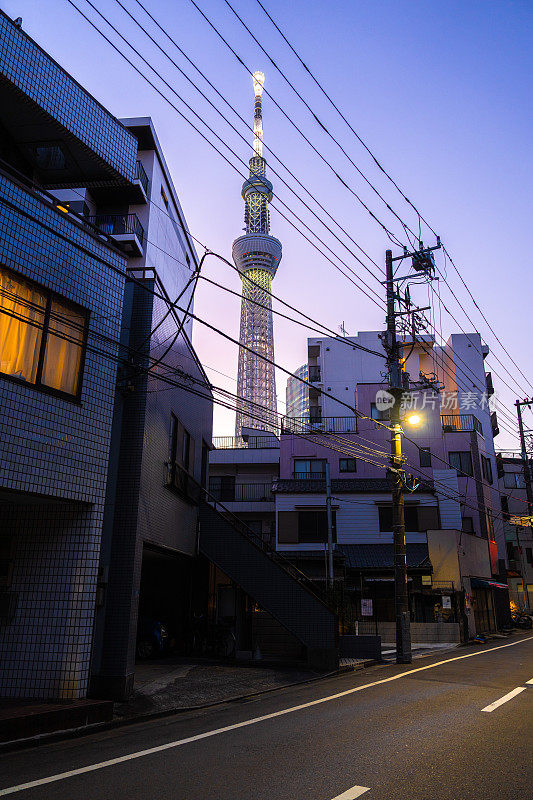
(170, 745)
(504, 699)
(351, 794)
(530, 681)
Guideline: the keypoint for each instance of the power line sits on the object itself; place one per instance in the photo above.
(336, 255)
(396, 186)
(377, 302)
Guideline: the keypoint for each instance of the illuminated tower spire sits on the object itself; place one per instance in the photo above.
(256, 255)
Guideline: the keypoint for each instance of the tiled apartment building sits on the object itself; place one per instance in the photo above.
(61, 298)
(105, 416)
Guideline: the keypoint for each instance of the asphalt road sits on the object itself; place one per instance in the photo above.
(420, 732)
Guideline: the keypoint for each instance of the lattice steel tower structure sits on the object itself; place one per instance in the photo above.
(256, 255)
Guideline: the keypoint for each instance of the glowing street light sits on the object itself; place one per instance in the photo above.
(414, 419)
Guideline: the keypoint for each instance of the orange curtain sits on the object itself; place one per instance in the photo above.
(62, 355)
(20, 342)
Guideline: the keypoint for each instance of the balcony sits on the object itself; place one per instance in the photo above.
(490, 385)
(318, 424)
(309, 476)
(494, 423)
(179, 480)
(140, 183)
(460, 423)
(242, 492)
(125, 230)
(314, 374)
(253, 443)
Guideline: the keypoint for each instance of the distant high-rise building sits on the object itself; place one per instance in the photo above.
(297, 394)
(257, 256)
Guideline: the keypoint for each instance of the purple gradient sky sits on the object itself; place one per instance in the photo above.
(439, 90)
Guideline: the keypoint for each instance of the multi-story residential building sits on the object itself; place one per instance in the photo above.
(519, 538)
(62, 290)
(106, 410)
(297, 394)
(161, 430)
(455, 546)
(241, 474)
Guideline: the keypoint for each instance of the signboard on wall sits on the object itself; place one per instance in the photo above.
(446, 601)
(366, 607)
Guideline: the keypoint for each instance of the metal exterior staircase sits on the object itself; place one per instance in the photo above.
(275, 584)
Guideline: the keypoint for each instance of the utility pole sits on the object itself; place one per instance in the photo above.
(330, 526)
(422, 263)
(527, 480)
(403, 624)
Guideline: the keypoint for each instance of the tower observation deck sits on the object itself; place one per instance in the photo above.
(257, 256)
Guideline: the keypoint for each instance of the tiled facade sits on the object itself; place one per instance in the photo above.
(54, 449)
(58, 449)
(40, 80)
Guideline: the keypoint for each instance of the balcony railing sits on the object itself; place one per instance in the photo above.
(243, 493)
(118, 225)
(141, 176)
(314, 374)
(309, 476)
(184, 484)
(305, 425)
(236, 443)
(454, 423)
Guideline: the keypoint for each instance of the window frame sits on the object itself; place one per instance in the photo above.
(382, 416)
(341, 470)
(427, 452)
(461, 472)
(51, 296)
(486, 469)
(319, 475)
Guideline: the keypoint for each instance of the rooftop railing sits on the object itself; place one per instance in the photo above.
(458, 423)
(307, 425)
(236, 443)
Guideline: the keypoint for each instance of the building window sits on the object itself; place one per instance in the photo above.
(181, 445)
(468, 525)
(417, 518)
(164, 197)
(205, 464)
(514, 480)
(222, 487)
(462, 462)
(486, 469)
(377, 414)
(505, 507)
(313, 525)
(42, 337)
(490, 524)
(347, 465)
(309, 468)
(425, 456)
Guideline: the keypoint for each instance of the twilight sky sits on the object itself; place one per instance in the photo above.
(440, 90)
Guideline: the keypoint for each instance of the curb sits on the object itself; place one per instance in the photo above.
(85, 730)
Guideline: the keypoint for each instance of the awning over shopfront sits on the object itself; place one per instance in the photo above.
(381, 556)
(482, 583)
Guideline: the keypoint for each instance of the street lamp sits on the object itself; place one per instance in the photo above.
(414, 419)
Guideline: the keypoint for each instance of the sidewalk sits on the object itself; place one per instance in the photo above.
(179, 683)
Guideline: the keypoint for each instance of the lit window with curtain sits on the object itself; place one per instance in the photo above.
(42, 338)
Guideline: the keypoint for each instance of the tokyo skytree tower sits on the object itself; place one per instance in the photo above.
(256, 255)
